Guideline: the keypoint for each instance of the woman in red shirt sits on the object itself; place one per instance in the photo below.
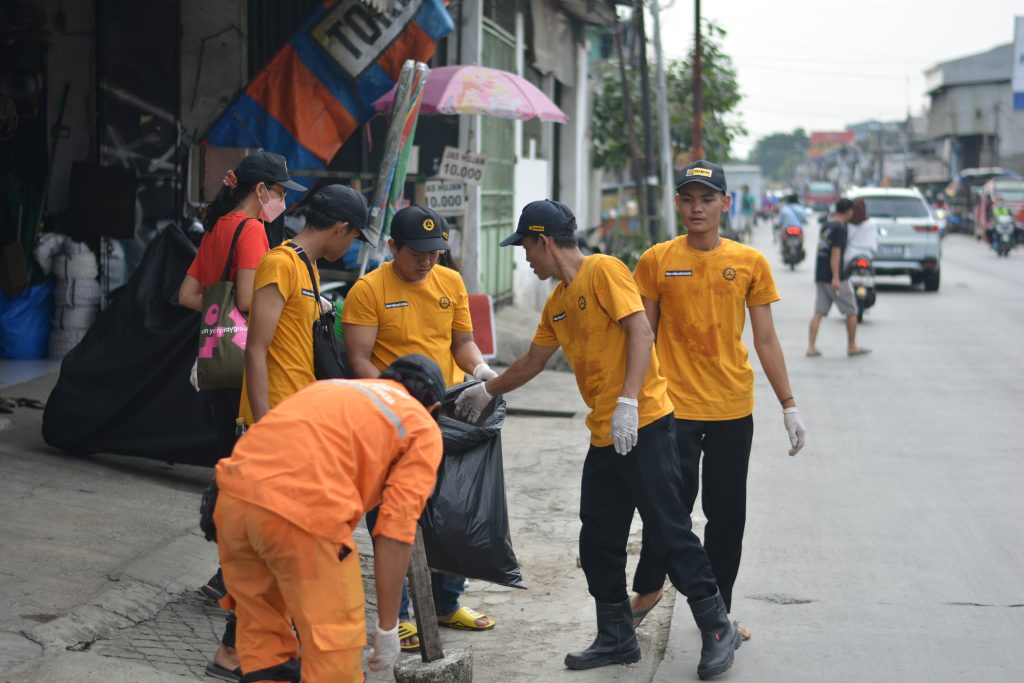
(253, 194)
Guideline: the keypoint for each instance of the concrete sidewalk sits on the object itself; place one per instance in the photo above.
(103, 558)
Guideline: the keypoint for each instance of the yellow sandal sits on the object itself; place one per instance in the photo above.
(406, 630)
(465, 619)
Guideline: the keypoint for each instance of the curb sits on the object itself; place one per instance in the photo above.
(141, 589)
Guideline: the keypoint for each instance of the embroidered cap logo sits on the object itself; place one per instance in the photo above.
(428, 224)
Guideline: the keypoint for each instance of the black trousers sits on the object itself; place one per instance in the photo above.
(726, 448)
(647, 479)
(224, 405)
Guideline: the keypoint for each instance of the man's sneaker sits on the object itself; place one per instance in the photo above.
(214, 590)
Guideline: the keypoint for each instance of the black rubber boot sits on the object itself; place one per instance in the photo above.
(719, 636)
(615, 642)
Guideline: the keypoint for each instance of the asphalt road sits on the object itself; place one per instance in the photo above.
(890, 548)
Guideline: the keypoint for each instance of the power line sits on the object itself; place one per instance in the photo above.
(828, 73)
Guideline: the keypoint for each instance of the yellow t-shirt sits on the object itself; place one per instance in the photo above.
(290, 355)
(583, 318)
(702, 295)
(411, 317)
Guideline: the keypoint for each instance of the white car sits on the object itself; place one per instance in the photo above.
(908, 234)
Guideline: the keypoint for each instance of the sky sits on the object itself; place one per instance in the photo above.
(823, 64)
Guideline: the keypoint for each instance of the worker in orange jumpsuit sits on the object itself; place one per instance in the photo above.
(291, 494)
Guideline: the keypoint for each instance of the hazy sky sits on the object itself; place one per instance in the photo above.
(821, 64)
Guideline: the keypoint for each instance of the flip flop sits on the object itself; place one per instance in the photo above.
(406, 630)
(215, 670)
(464, 619)
(858, 352)
(813, 354)
(640, 615)
(740, 626)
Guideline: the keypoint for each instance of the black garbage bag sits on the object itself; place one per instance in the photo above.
(125, 389)
(465, 522)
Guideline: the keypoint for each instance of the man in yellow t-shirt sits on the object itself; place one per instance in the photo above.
(412, 305)
(279, 349)
(596, 316)
(696, 289)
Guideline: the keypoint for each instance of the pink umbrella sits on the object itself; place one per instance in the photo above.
(467, 89)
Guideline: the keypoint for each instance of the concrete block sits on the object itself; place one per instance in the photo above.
(455, 667)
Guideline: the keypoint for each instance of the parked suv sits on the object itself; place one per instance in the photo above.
(908, 234)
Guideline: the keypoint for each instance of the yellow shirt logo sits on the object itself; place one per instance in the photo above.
(699, 171)
(444, 302)
(428, 224)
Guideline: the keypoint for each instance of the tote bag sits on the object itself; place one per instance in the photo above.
(222, 331)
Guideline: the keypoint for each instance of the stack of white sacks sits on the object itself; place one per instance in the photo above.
(77, 293)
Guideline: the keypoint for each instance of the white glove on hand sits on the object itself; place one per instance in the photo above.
(483, 372)
(471, 403)
(625, 423)
(325, 306)
(796, 429)
(384, 652)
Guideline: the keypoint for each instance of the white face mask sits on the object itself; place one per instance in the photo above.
(272, 209)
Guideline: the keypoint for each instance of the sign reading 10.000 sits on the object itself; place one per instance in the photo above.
(466, 167)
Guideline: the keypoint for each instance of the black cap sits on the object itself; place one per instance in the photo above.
(703, 172)
(542, 217)
(266, 167)
(343, 203)
(420, 228)
(423, 368)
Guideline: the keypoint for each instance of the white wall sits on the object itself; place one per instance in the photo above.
(533, 178)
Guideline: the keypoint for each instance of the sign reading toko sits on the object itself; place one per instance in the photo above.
(355, 36)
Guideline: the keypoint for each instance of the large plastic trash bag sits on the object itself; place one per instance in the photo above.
(125, 388)
(25, 322)
(465, 522)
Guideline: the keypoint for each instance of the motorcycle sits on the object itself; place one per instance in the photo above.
(861, 274)
(1003, 234)
(792, 246)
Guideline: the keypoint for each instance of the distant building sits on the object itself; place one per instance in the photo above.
(971, 117)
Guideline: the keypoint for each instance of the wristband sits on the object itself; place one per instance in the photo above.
(629, 401)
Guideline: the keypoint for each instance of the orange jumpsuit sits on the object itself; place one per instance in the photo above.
(291, 493)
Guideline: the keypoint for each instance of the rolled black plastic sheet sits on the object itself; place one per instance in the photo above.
(125, 388)
(465, 522)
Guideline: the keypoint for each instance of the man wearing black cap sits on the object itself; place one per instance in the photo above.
(412, 305)
(279, 349)
(596, 316)
(696, 289)
(290, 497)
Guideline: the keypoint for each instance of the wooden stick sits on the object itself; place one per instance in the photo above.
(423, 602)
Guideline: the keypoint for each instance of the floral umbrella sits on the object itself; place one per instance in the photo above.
(480, 90)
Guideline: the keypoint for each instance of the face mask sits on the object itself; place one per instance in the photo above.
(272, 209)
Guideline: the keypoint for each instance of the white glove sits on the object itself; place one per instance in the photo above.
(384, 651)
(625, 422)
(325, 306)
(483, 372)
(471, 403)
(796, 429)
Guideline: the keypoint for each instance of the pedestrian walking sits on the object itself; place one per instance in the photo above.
(413, 305)
(291, 495)
(747, 201)
(832, 283)
(696, 290)
(596, 316)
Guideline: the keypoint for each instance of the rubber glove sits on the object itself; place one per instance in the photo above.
(483, 372)
(795, 428)
(625, 423)
(471, 403)
(325, 306)
(384, 652)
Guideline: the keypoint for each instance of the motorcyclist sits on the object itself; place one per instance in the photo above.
(990, 233)
(791, 214)
(862, 234)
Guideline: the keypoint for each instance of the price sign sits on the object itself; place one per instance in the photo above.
(466, 167)
(446, 197)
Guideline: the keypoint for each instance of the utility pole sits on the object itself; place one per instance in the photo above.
(698, 89)
(995, 134)
(668, 206)
(645, 107)
(634, 151)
